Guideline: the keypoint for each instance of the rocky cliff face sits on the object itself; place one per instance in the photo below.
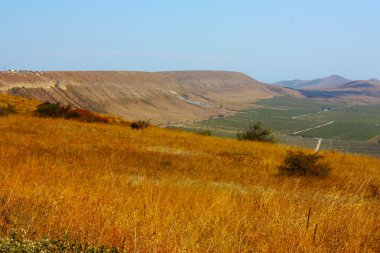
(163, 97)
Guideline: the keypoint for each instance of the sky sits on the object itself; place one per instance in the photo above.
(270, 40)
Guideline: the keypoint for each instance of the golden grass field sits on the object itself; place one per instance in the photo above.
(158, 190)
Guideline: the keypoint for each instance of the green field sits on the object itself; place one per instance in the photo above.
(286, 116)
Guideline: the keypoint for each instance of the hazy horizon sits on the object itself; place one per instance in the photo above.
(270, 41)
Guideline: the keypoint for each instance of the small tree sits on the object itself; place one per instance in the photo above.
(11, 108)
(8, 110)
(54, 110)
(140, 124)
(298, 163)
(256, 133)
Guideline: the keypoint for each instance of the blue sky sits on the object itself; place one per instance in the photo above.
(270, 40)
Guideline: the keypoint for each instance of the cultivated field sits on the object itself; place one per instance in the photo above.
(290, 116)
(158, 190)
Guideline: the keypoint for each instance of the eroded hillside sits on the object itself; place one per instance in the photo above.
(163, 97)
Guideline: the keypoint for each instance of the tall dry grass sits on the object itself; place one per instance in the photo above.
(156, 190)
(20, 104)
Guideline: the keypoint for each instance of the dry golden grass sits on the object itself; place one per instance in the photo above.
(22, 105)
(156, 190)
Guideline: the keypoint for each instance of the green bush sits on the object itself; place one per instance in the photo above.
(298, 163)
(85, 116)
(204, 132)
(72, 115)
(8, 110)
(256, 133)
(54, 110)
(14, 243)
(140, 124)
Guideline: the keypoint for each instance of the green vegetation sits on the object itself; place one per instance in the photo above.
(56, 110)
(299, 163)
(9, 109)
(256, 133)
(204, 132)
(288, 115)
(14, 243)
(53, 110)
(276, 113)
(291, 118)
(140, 124)
(345, 131)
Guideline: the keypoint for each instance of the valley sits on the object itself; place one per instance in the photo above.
(341, 112)
(189, 126)
(301, 122)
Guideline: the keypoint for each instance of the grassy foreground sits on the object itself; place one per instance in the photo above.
(156, 190)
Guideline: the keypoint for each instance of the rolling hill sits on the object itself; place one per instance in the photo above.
(163, 97)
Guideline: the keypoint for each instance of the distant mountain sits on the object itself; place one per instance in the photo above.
(337, 88)
(368, 85)
(320, 83)
(374, 80)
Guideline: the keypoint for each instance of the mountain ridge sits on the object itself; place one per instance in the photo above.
(319, 83)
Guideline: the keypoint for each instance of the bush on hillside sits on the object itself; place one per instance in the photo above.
(140, 124)
(54, 110)
(256, 133)
(8, 110)
(204, 132)
(299, 163)
(85, 115)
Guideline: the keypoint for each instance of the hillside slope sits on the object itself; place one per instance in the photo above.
(19, 104)
(162, 97)
(157, 190)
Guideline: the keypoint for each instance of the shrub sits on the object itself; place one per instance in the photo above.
(298, 163)
(256, 133)
(54, 110)
(85, 115)
(140, 124)
(204, 132)
(15, 243)
(373, 190)
(72, 115)
(9, 109)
